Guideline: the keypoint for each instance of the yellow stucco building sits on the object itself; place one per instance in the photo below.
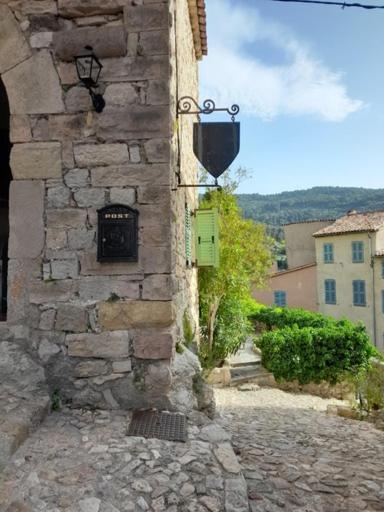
(350, 270)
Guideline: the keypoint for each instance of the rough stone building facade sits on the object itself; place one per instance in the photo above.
(105, 332)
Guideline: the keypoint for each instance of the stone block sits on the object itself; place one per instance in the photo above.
(107, 345)
(158, 287)
(153, 344)
(39, 7)
(156, 232)
(154, 195)
(134, 154)
(44, 97)
(48, 292)
(76, 178)
(47, 319)
(86, 197)
(67, 155)
(158, 92)
(65, 269)
(36, 161)
(78, 8)
(14, 47)
(78, 99)
(123, 196)
(41, 39)
(146, 17)
(122, 366)
(158, 150)
(26, 238)
(156, 260)
(81, 238)
(154, 42)
(58, 197)
(20, 273)
(66, 127)
(20, 129)
(106, 42)
(130, 175)
(120, 95)
(135, 122)
(71, 318)
(94, 155)
(146, 67)
(132, 314)
(56, 239)
(66, 218)
(158, 378)
(99, 288)
(91, 267)
(67, 73)
(91, 369)
(47, 349)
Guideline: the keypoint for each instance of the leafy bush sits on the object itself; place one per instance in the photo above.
(313, 354)
(370, 388)
(278, 318)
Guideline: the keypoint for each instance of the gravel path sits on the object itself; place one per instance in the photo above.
(297, 458)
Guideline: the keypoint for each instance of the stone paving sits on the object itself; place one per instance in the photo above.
(297, 458)
(82, 461)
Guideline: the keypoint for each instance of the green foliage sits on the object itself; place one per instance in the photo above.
(189, 331)
(278, 318)
(312, 354)
(274, 210)
(245, 257)
(370, 388)
(56, 400)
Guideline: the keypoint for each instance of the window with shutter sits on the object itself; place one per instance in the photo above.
(207, 238)
(188, 236)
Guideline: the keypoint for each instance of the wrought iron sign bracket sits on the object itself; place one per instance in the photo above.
(188, 105)
(200, 185)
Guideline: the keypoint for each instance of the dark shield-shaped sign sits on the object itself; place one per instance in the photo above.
(216, 145)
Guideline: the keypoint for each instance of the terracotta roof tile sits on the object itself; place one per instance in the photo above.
(354, 222)
(198, 15)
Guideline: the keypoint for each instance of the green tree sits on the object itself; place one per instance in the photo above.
(225, 291)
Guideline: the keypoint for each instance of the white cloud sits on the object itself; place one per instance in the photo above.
(301, 86)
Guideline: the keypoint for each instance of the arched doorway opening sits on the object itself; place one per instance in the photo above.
(5, 180)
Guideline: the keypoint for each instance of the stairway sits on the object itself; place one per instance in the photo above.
(24, 397)
(246, 367)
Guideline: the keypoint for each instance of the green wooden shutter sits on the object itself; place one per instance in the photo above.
(188, 236)
(207, 238)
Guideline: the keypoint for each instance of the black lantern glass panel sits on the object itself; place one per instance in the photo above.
(88, 69)
(117, 233)
(216, 145)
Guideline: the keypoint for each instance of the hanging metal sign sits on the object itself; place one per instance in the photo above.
(216, 145)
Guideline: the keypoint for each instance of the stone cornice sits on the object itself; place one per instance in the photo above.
(198, 17)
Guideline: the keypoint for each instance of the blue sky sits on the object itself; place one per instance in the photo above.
(310, 84)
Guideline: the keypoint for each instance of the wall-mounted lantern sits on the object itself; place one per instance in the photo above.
(117, 237)
(88, 69)
(216, 145)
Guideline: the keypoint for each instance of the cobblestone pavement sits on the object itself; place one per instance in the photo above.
(82, 461)
(297, 458)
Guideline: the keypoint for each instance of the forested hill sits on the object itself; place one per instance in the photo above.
(314, 203)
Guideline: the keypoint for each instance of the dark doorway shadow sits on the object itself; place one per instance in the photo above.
(5, 180)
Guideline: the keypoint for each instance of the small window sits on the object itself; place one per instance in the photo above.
(359, 293)
(328, 253)
(330, 291)
(357, 252)
(280, 298)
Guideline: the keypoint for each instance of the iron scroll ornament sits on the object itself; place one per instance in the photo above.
(186, 104)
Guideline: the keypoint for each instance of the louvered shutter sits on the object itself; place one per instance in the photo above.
(207, 238)
(188, 236)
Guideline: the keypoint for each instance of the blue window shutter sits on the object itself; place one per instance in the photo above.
(328, 253)
(330, 291)
(280, 298)
(357, 252)
(207, 238)
(358, 287)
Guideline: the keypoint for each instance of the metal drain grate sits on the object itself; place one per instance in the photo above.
(161, 425)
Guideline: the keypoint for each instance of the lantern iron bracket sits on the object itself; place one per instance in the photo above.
(186, 103)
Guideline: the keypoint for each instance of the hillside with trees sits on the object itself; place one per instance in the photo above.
(274, 210)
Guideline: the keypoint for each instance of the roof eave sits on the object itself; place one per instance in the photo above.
(198, 17)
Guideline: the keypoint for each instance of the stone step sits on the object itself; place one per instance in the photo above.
(256, 374)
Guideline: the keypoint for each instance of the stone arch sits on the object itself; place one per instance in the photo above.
(5, 179)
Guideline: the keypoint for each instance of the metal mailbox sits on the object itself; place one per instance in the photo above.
(117, 238)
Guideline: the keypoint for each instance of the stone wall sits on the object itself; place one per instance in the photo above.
(106, 333)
